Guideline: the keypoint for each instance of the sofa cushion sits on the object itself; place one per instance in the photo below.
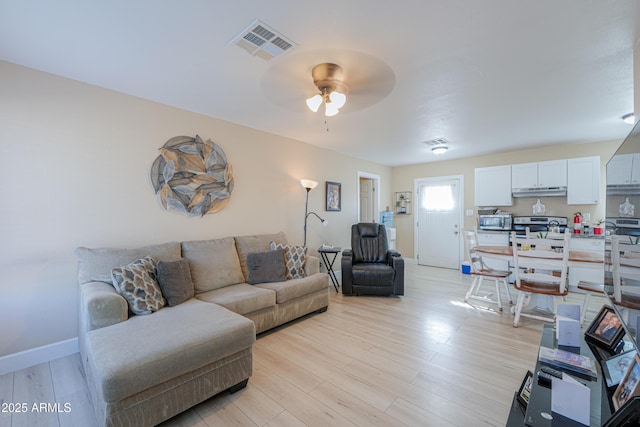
(296, 288)
(266, 267)
(294, 258)
(136, 282)
(95, 265)
(174, 278)
(241, 298)
(255, 243)
(214, 263)
(132, 356)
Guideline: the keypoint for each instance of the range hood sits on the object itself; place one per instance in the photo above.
(623, 190)
(539, 192)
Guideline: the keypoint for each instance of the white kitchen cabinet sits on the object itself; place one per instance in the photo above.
(583, 181)
(493, 186)
(587, 274)
(624, 169)
(539, 174)
(524, 175)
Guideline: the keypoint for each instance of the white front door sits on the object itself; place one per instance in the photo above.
(439, 218)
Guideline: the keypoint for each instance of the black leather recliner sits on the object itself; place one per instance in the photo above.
(369, 267)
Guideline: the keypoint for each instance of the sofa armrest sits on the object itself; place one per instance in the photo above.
(100, 306)
(311, 265)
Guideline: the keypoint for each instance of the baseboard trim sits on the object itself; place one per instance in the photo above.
(35, 356)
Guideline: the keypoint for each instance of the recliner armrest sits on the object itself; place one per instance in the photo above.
(397, 263)
(392, 256)
(346, 267)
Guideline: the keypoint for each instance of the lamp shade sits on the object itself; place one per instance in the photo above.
(314, 102)
(308, 184)
(330, 109)
(338, 99)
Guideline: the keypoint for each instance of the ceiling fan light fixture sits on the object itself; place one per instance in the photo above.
(338, 99)
(314, 102)
(327, 78)
(330, 109)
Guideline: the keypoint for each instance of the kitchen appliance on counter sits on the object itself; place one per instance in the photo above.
(499, 221)
(537, 224)
(623, 226)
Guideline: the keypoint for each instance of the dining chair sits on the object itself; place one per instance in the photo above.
(480, 271)
(590, 289)
(625, 268)
(540, 268)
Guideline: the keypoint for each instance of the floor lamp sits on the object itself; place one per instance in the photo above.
(310, 185)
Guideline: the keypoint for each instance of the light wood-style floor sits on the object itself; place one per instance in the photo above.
(424, 359)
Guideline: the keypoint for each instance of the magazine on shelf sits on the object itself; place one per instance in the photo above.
(571, 363)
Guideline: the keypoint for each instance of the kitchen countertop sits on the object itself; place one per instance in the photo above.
(573, 236)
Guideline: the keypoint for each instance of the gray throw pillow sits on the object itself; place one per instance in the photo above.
(174, 278)
(266, 267)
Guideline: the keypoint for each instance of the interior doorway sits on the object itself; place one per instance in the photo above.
(368, 197)
(439, 219)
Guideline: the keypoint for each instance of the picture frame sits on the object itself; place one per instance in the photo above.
(524, 392)
(628, 387)
(614, 368)
(606, 329)
(333, 192)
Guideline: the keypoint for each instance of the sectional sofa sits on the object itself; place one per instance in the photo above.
(199, 306)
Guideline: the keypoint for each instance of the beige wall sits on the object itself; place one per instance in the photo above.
(76, 162)
(403, 180)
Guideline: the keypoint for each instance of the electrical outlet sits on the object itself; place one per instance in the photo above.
(469, 212)
(586, 217)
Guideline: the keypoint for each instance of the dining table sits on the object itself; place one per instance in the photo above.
(577, 259)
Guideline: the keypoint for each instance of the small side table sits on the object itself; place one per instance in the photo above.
(324, 253)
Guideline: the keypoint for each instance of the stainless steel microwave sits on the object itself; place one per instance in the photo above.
(501, 222)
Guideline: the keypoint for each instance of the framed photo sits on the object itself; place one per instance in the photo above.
(628, 387)
(525, 390)
(334, 196)
(616, 367)
(606, 329)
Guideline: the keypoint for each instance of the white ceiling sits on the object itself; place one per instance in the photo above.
(488, 75)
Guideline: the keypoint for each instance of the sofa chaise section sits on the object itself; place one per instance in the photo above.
(150, 368)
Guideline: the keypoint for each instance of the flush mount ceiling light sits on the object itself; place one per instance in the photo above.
(629, 118)
(327, 78)
(440, 149)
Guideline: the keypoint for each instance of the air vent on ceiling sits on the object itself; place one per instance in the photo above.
(263, 41)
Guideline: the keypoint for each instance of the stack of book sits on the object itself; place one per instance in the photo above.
(571, 363)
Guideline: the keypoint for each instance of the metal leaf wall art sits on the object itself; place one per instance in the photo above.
(192, 176)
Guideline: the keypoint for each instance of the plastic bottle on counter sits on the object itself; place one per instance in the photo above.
(387, 218)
